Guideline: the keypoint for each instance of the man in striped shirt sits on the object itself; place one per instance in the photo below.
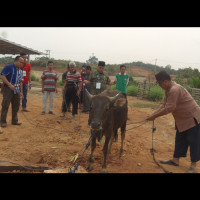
(73, 88)
(49, 86)
(12, 78)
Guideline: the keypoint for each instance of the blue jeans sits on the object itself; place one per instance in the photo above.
(25, 91)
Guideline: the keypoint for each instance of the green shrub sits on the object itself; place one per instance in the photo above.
(60, 83)
(132, 90)
(194, 82)
(155, 94)
(34, 78)
(112, 87)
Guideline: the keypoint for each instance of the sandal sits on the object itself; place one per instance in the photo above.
(191, 170)
(169, 162)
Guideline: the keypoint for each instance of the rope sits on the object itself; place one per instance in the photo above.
(136, 122)
(152, 151)
(86, 147)
(144, 122)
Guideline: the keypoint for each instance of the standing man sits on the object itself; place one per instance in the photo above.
(98, 79)
(26, 69)
(73, 88)
(12, 78)
(49, 86)
(86, 103)
(186, 113)
(121, 80)
(64, 108)
(83, 74)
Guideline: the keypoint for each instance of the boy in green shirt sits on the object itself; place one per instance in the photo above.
(121, 80)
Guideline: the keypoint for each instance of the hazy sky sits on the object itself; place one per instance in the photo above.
(176, 46)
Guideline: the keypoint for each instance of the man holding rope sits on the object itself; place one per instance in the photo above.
(186, 113)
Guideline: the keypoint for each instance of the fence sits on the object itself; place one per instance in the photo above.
(143, 89)
(195, 94)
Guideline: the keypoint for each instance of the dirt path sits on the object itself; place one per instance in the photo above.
(30, 143)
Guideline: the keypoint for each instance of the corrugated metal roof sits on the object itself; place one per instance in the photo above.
(8, 47)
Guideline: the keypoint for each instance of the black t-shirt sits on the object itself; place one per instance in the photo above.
(64, 75)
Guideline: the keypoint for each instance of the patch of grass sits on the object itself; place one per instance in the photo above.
(143, 105)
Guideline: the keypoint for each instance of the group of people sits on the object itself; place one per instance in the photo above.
(75, 84)
(17, 80)
(177, 100)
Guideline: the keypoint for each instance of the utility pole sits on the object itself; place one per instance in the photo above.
(155, 65)
(48, 52)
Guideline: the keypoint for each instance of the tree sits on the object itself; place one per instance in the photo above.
(92, 60)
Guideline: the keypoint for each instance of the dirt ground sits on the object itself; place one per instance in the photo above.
(52, 140)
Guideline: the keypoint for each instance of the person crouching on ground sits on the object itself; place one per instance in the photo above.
(49, 86)
(186, 113)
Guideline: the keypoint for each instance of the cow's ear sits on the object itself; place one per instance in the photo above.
(120, 102)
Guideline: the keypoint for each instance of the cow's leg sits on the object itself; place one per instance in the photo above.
(113, 137)
(91, 156)
(105, 151)
(123, 130)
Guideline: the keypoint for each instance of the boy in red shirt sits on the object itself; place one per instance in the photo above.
(26, 69)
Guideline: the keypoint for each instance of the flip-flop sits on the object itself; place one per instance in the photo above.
(25, 111)
(191, 170)
(169, 162)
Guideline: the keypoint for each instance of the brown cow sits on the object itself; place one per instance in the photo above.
(108, 112)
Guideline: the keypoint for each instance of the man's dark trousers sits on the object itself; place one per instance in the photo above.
(70, 96)
(14, 99)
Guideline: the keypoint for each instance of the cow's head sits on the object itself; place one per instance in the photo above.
(101, 107)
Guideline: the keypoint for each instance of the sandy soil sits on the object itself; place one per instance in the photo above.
(52, 140)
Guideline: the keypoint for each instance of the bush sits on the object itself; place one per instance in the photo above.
(194, 82)
(112, 87)
(60, 83)
(34, 78)
(155, 94)
(132, 90)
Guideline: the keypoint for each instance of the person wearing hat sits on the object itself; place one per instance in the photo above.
(186, 113)
(98, 79)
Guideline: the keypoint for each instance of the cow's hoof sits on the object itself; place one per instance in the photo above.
(121, 153)
(90, 167)
(104, 170)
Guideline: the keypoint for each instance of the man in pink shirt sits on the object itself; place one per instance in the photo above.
(186, 113)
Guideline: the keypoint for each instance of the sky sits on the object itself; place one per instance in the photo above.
(175, 46)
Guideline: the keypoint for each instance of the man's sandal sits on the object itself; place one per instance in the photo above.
(169, 162)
